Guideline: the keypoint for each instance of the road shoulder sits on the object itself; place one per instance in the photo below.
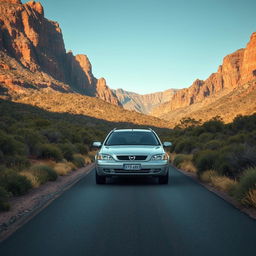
(251, 212)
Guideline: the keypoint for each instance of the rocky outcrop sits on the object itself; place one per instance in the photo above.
(237, 69)
(37, 44)
(143, 103)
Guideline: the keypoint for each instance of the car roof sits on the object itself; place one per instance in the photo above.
(132, 130)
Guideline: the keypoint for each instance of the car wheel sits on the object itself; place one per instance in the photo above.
(100, 179)
(163, 179)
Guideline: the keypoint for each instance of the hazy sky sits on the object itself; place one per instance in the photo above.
(153, 45)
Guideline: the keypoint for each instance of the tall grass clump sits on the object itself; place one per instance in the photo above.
(247, 183)
(44, 173)
(78, 161)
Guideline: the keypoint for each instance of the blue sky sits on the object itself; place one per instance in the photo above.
(153, 45)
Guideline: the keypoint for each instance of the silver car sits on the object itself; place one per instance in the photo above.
(132, 152)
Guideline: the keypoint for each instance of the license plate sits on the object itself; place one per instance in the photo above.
(132, 167)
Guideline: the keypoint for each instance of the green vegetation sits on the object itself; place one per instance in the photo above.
(223, 155)
(36, 146)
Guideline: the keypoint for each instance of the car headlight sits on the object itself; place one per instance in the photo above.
(160, 157)
(104, 157)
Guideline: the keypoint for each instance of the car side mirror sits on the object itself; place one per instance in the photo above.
(96, 144)
(167, 144)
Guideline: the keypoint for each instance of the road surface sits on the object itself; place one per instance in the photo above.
(136, 218)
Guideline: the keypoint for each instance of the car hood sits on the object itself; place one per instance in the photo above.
(131, 150)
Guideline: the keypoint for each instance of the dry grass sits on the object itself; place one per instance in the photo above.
(87, 159)
(64, 168)
(207, 176)
(32, 178)
(222, 183)
(188, 166)
(250, 198)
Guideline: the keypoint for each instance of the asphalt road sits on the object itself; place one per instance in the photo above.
(136, 218)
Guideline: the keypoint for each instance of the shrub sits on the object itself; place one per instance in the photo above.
(63, 168)
(213, 145)
(14, 183)
(185, 145)
(49, 151)
(181, 158)
(67, 150)
(234, 159)
(188, 166)
(44, 173)
(207, 176)
(31, 177)
(250, 198)
(205, 160)
(223, 183)
(78, 161)
(82, 148)
(247, 182)
(17, 162)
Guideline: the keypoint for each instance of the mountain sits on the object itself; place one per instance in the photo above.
(143, 103)
(33, 55)
(233, 83)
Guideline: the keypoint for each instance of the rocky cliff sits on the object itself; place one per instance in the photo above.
(236, 70)
(143, 103)
(36, 44)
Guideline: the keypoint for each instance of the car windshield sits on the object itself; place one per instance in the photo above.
(132, 138)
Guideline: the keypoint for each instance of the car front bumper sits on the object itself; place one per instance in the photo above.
(117, 169)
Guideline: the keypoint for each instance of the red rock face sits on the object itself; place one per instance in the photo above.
(37, 43)
(248, 70)
(237, 69)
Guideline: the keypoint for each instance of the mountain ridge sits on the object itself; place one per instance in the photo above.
(237, 71)
(142, 103)
(37, 45)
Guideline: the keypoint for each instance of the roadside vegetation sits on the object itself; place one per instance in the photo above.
(38, 146)
(223, 155)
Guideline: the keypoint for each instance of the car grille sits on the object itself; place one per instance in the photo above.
(130, 158)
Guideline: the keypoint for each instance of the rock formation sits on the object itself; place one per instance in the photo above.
(37, 44)
(236, 70)
(143, 103)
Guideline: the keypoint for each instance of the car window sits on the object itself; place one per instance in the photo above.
(132, 138)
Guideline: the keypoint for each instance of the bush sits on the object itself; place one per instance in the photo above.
(250, 198)
(82, 148)
(31, 177)
(49, 151)
(67, 150)
(234, 159)
(205, 160)
(213, 145)
(185, 146)
(17, 162)
(78, 161)
(178, 159)
(4, 206)
(63, 168)
(14, 183)
(247, 182)
(44, 173)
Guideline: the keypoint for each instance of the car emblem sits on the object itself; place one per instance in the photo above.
(131, 158)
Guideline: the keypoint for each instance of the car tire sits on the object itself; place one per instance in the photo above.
(100, 179)
(163, 179)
